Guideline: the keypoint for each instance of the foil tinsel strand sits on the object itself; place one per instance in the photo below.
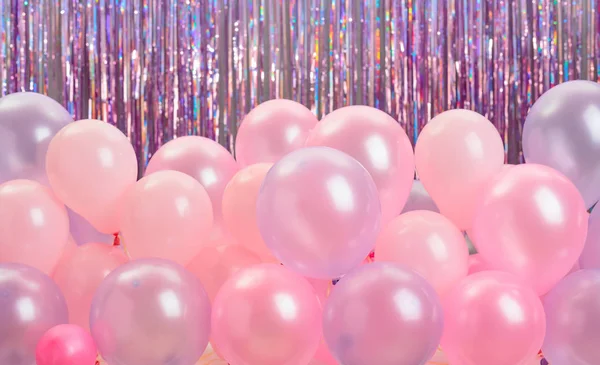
(158, 69)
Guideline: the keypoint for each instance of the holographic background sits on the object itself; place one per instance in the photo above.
(165, 68)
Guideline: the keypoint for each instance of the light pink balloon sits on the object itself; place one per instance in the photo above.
(532, 222)
(428, 243)
(203, 159)
(80, 273)
(90, 164)
(492, 318)
(456, 154)
(272, 130)
(318, 211)
(239, 209)
(34, 225)
(214, 265)
(379, 143)
(167, 215)
(266, 315)
(477, 264)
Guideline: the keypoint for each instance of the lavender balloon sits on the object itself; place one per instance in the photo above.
(28, 121)
(384, 314)
(150, 312)
(83, 232)
(573, 320)
(30, 304)
(419, 199)
(562, 131)
(590, 257)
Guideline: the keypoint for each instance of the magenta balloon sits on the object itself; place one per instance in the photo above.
(318, 211)
(384, 314)
(530, 216)
(492, 318)
(201, 158)
(30, 304)
(66, 344)
(379, 143)
(561, 132)
(272, 130)
(590, 257)
(28, 121)
(266, 315)
(419, 199)
(151, 312)
(573, 320)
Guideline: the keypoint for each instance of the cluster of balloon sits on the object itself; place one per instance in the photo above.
(315, 245)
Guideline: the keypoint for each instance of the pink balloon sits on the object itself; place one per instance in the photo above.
(266, 315)
(318, 211)
(168, 215)
(456, 154)
(90, 164)
(66, 344)
(79, 275)
(384, 314)
(323, 356)
(477, 264)
(532, 222)
(203, 159)
(214, 265)
(272, 130)
(419, 199)
(492, 318)
(428, 243)
(378, 142)
(34, 226)
(239, 209)
(573, 317)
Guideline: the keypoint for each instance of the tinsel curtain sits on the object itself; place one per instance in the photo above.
(164, 68)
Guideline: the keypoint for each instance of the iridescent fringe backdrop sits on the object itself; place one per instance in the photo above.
(163, 68)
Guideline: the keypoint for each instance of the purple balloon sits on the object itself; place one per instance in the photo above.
(419, 199)
(28, 121)
(151, 312)
(384, 314)
(573, 320)
(83, 232)
(30, 304)
(562, 131)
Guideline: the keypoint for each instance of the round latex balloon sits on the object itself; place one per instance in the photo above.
(492, 318)
(28, 121)
(239, 209)
(477, 264)
(213, 265)
(178, 211)
(90, 164)
(419, 199)
(266, 315)
(428, 243)
(561, 132)
(318, 211)
(151, 312)
(272, 130)
(31, 304)
(378, 142)
(80, 273)
(201, 158)
(457, 153)
(573, 317)
(34, 226)
(83, 232)
(529, 217)
(590, 257)
(66, 344)
(385, 314)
